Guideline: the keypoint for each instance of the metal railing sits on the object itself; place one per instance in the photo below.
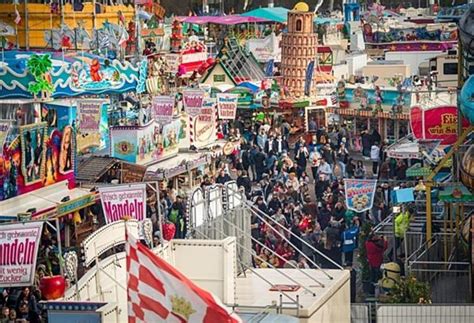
(433, 263)
(412, 313)
(450, 282)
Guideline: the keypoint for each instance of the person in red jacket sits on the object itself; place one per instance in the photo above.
(375, 246)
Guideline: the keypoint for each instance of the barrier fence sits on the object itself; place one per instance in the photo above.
(412, 313)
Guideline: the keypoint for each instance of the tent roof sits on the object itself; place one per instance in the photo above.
(280, 14)
(221, 20)
(277, 14)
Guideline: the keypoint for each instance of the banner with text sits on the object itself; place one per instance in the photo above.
(192, 101)
(4, 128)
(88, 112)
(227, 105)
(162, 109)
(19, 244)
(123, 201)
(359, 194)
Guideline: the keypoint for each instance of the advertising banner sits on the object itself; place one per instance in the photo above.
(19, 244)
(4, 128)
(436, 123)
(193, 100)
(205, 124)
(359, 194)
(265, 49)
(162, 109)
(123, 201)
(227, 105)
(88, 115)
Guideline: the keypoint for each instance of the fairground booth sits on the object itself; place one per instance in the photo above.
(51, 115)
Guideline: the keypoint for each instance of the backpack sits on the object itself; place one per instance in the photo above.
(174, 216)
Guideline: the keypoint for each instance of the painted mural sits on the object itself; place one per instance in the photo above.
(33, 152)
(72, 74)
(148, 144)
(38, 155)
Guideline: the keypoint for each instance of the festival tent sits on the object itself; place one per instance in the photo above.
(220, 20)
(276, 14)
(280, 14)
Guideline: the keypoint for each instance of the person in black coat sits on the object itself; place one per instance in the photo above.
(280, 145)
(259, 160)
(274, 203)
(244, 181)
(366, 143)
(223, 177)
(269, 144)
(246, 159)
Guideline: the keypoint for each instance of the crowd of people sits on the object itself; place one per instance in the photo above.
(20, 305)
(300, 217)
(299, 186)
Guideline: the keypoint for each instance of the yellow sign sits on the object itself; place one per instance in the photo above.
(448, 125)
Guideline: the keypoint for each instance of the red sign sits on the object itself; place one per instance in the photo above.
(436, 123)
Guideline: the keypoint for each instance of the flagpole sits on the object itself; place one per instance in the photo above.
(27, 31)
(160, 214)
(16, 27)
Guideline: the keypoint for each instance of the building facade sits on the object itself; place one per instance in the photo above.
(298, 49)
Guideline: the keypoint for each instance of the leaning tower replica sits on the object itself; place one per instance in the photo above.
(298, 49)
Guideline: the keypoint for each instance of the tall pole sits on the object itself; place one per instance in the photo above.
(137, 33)
(27, 29)
(61, 3)
(94, 22)
(160, 214)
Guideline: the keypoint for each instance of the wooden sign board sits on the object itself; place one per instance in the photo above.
(132, 173)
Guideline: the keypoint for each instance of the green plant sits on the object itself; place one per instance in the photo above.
(39, 66)
(410, 290)
(364, 264)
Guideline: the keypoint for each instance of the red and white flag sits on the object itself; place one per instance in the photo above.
(157, 292)
(17, 17)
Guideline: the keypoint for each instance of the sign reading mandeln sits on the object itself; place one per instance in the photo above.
(162, 109)
(19, 244)
(123, 201)
(192, 101)
(227, 105)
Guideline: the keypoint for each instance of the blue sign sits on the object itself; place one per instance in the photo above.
(269, 68)
(309, 78)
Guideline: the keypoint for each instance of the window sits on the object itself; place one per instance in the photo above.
(450, 68)
(219, 78)
(299, 25)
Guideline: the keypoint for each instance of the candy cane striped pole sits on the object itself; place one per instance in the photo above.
(191, 131)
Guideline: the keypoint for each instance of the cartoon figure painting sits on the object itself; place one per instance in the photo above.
(33, 152)
(65, 154)
(95, 71)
